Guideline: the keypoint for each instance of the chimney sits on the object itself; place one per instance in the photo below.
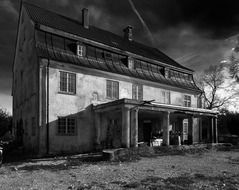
(128, 33)
(85, 18)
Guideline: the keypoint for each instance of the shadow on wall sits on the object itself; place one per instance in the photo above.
(74, 133)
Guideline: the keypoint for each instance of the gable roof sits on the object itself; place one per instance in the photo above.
(60, 22)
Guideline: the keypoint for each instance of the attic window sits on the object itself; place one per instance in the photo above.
(130, 63)
(80, 50)
(108, 56)
(166, 72)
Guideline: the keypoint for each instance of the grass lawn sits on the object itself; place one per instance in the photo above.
(208, 170)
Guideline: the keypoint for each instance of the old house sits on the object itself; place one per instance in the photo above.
(78, 88)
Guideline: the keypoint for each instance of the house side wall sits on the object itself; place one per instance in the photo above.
(90, 89)
(25, 88)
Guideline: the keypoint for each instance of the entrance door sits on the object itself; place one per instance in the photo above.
(147, 130)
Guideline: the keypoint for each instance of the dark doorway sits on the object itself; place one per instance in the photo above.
(147, 131)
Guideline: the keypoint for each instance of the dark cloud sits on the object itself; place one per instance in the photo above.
(190, 31)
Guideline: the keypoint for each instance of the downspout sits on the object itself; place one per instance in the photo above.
(47, 100)
(47, 109)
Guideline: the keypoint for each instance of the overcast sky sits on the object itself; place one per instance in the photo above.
(194, 32)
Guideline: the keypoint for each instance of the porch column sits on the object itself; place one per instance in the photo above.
(134, 128)
(125, 127)
(216, 132)
(166, 123)
(200, 129)
(190, 130)
(212, 129)
(97, 128)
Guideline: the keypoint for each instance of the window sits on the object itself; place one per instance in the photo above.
(66, 126)
(112, 89)
(91, 52)
(33, 126)
(166, 97)
(108, 56)
(130, 63)
(187, 101)
(80, 50)
(67, 82)
(166, 72)
(137, 92)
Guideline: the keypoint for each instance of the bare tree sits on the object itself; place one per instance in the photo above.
(234, 63)
(215, 91)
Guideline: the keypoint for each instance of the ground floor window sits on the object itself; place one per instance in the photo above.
(66, 126)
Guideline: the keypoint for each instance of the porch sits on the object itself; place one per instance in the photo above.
(128, 123)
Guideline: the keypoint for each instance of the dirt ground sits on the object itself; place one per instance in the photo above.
(209, 170)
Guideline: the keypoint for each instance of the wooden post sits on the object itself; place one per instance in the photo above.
(134, 128)
(216, 131)
(200, 129)
(190, 130)
(166, 123)
(125, 127)
(212, 129)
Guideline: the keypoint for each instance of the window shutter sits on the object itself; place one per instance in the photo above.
(63, 81)
(108, 89)
(168, 97)
(163, 96)
(72, 83)
(134, 91)
(140, 92)
(116, 90)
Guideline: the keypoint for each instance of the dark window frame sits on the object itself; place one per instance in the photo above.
(66, 130)
(187, 101)
(67, 82)
(137, 91)
(112, 89)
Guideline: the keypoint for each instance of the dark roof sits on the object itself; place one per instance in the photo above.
(54, 20)
(49, 51)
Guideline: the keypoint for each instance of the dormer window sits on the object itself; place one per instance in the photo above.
(108, 56)
(166, 72)
(130, 63)
(80, 50)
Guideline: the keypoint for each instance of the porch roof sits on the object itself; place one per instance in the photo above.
(153, 106)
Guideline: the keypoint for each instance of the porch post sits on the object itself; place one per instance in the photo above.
(166, 123)
(134, 128)
(212, 129)
(200, 129)
(216, 132)
(125, 127)
(190, 130)
(97, 128)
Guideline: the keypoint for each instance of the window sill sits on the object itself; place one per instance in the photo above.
(67, 93)
(109, 98)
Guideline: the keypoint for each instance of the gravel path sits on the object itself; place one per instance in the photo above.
(141, 174)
